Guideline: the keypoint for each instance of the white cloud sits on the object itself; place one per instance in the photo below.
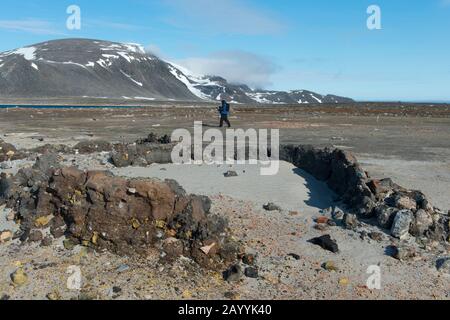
(30, 26)
(223, 16)
(236, 66)
(154, 49)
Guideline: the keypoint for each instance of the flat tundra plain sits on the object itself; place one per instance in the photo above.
(409, 143)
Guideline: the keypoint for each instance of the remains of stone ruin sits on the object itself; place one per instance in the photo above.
(136, 215)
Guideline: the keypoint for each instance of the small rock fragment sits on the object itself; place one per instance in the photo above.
(330, 266)
(248, 259)
(230, 174)
(350, 221)
(294, 255)
(326, 243)
(19, 277)
(271, 207)
(5, 235)
(233, 273)
(251, 272)
(377, 236)
(443, 265)
(206, 249)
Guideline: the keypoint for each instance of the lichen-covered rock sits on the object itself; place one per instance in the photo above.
(385, 216)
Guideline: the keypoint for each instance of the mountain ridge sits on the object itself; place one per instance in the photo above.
(88, 68)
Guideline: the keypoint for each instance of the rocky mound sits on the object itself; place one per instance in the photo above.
(124, 216)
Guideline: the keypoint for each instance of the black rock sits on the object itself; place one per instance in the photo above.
(230, 174)
(251, 272)
(326, 243)
(294, 255)
(271, 207)
(233, 273)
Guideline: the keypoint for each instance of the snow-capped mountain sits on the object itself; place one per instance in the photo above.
(82, 68)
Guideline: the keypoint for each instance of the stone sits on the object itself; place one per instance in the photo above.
(377, 236)
(422, 222)
(350, 221)
(5, 235)
(249, 259)
(123, 268)
(207, 249)
(54, 296)
(230, 174)
(68, 244)
(47, 241)
(43, 221)
(35, 236)
(251, 272)
(405, 203)
(233, 273)
(401, 224)
(19, 277)
(331, 223)
(385, 216)
(403, 253)
(338, 215)
(322, 227)
(330, 266)
(443, 265)
(322, 220)
(344, 281)
(326, 243)
(294, 256)
(271, 207)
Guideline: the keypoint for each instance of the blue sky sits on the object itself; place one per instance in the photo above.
(321, 45)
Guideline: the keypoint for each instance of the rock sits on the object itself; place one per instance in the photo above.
(19, 277)
(54, 296)
(322, 220)
(230, 174)
(123, 268)
(233, 273)
(381, 187)
(271, 207)
(10, 216)
(350, 221)
(331, 223)
(231, 295)
(47, 241)
(86, 147)
(443, 265)
(405, 203)
(251, 272)
(330, 266)
(401, 224)
(326, 243)
(385, 216)
(322, 227)
(422, 222)
(69, 244)
(6, 165)
(35, 236)
(207, 249)
(338, 215)
(294, 255)
(403, 253)
(249, 259)
(5, 235)
(377, 236)
(344, 281)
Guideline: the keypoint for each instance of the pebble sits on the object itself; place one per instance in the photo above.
(233, 273)
(123, 268)
(19, 277)
(230, 174)
(330, 266)
(326, 243)
(251, 272)
(271, 207)
(377, 236)
(5, 235)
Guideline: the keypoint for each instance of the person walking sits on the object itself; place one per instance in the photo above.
(224, 111)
